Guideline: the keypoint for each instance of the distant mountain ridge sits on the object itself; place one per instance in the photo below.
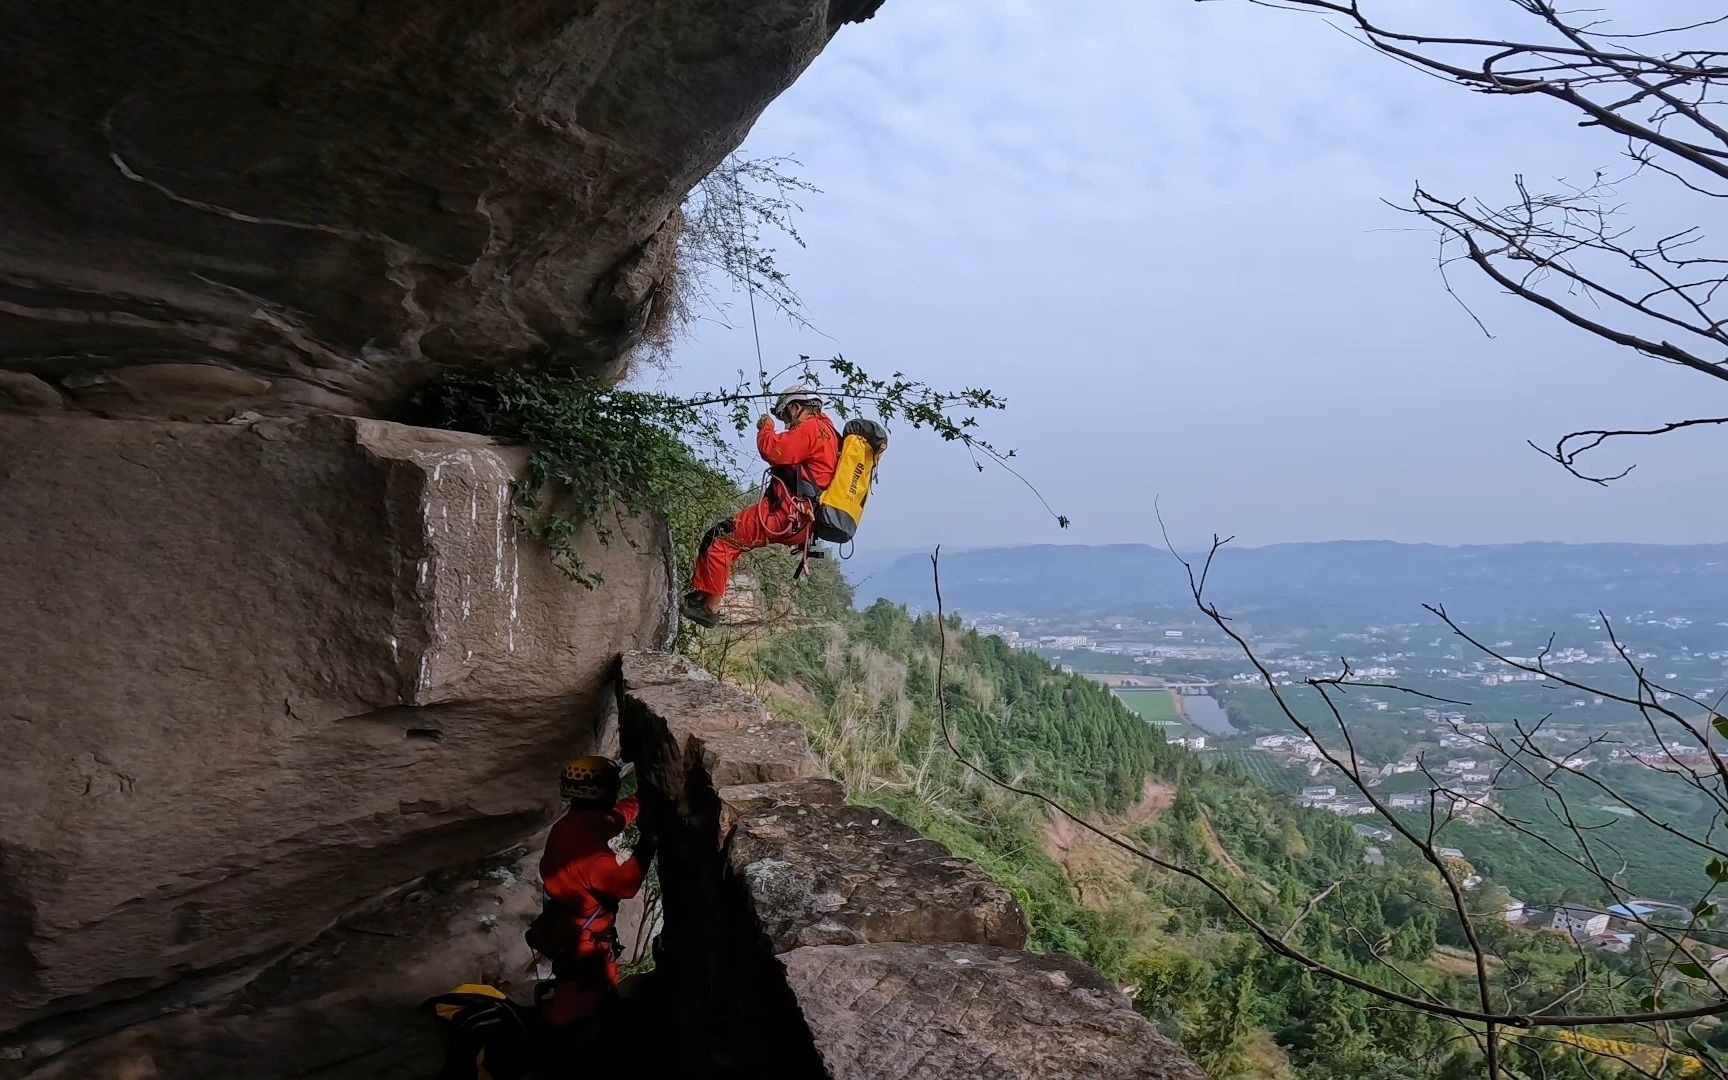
(1374, 578)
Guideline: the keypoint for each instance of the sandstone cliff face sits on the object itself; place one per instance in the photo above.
(261, 676)
(212, 207)
(258, 674)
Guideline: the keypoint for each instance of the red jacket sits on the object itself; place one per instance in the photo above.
(580, 872)
(810, 450)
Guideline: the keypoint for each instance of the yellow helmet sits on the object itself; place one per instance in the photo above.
(590, 778)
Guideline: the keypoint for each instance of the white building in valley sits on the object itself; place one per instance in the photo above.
(1579, 922)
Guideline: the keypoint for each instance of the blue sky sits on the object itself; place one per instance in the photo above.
(1157, 229)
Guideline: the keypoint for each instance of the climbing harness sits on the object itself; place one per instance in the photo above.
(797, 504)
(800, 513)
(546, 937)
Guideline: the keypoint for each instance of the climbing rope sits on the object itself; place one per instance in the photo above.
(749, 284)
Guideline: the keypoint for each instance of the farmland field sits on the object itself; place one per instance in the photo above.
(1266, 770)
(1151, 705)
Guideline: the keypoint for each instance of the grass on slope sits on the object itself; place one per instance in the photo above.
(1152, 706)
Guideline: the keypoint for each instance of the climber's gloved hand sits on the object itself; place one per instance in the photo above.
(765, 421)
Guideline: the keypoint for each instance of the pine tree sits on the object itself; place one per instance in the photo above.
(1220, 1040)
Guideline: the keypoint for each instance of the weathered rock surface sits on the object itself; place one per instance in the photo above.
(968, 1012)
(257, 674)
(808, 939)
(299, 207)
(22, 392)
(758, 754)
(844, 875)
(698, 704)
(741, 799)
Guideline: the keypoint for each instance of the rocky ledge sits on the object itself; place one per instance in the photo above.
(805, 938)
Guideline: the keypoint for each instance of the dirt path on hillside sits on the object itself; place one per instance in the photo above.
(1100, 869)
(1216, 849)
(1096, 866)
(1457, 962)
(1155, 798)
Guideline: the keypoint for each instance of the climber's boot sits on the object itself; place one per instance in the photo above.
(695, 608)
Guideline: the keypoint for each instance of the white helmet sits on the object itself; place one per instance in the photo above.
(796, 395)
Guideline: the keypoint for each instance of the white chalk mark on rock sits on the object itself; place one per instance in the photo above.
(498, 558)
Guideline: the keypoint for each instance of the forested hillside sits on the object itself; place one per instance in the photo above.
(864, 684)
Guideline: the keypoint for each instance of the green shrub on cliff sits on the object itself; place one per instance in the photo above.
(597, 451)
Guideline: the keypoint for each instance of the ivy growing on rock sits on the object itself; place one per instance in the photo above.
(596, 452)
(599, 451)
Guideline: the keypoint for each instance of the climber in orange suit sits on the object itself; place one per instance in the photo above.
(585, 880)
(801, 463)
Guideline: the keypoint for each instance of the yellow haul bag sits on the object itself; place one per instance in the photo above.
(841, 506)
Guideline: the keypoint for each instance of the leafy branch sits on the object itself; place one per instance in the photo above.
(951, 415)
(599, 451)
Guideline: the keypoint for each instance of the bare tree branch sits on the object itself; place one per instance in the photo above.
(1663, 91)
(1570, 446)
(1276, 942)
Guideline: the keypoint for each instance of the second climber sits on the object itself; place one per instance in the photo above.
(585, 879)
(801, 463)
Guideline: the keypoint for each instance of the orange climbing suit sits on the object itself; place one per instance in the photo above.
(584, 883)
(801, 463)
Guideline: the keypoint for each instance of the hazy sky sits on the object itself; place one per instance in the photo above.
(1156, 228)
